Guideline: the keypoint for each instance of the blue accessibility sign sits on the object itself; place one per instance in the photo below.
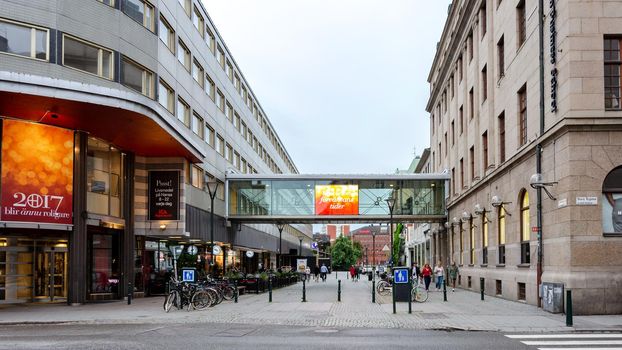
(313, 245)
(400, 276)
(187, 275)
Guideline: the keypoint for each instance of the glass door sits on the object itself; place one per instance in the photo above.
(50, 273)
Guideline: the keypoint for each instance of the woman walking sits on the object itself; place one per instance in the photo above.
(452, 270)
(426, 272)
(439, 271)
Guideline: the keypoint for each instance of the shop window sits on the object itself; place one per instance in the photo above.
(137, 77)
(104, 276)
(23, 40)
(612, 202)
(484, 238)
(501, 237)
(104, 179)
(140, 11)
(525, 229)
(87, 57)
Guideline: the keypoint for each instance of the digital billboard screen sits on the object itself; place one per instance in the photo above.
(37, 173)
(336, 199)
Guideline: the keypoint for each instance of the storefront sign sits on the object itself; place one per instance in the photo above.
(164, 195)
(336, 200)
(37, 173)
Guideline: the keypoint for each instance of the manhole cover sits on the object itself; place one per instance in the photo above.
(326, 331)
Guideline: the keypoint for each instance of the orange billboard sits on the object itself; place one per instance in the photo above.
(37, 173)
(336, 199)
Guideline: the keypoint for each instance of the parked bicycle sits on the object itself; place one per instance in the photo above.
(418, 292)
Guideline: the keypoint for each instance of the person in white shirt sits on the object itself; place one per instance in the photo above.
(439, 272)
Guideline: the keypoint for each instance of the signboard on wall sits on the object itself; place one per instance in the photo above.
(336, 200)
(164, 195)
(37, 173)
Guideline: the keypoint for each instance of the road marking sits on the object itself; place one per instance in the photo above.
(559, 336)
(573, 342)
(590, 348)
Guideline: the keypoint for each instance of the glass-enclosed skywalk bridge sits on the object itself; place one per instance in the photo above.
(335, 198)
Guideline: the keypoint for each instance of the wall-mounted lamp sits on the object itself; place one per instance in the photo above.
(455, 221)
(481, 211)
(537, 181)
(162, 227)
(497, 202)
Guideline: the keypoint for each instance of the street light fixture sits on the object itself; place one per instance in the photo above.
(212, 187)
(391, 204)
(280, 227)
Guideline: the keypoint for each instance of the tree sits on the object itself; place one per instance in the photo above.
(345, 253)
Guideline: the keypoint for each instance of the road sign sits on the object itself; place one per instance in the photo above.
(193, 250)
(385, 248)
(400, 276)
(187, 275)
(313, 245)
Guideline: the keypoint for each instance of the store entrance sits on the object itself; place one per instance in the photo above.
(50, 273)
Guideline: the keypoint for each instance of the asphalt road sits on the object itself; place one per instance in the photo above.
(235, 336)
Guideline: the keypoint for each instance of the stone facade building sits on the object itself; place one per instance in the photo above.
(499, 116)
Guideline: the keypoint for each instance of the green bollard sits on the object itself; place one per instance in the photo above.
(270, 289)
(235, 291)
(568, 308)
(339, 290)
(410, 287)
(373, 290)
(481, 288)
(304, 291)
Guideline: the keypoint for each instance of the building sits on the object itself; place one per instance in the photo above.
(373, 239)
(115, 116)
(334, 230)
(533, 148)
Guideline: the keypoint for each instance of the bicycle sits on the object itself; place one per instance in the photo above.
(180, 295)
(384, 287)
(418, 293)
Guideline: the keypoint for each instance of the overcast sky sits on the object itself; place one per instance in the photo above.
(344, 82)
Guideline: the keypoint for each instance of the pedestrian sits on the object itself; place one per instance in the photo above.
(316, 272)
(358, 273)
(416, 272)
(452, 272)
(439, 271)
(323, 272)
(426, 272)
(352, 272)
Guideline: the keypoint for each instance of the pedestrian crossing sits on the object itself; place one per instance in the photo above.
(571, 341)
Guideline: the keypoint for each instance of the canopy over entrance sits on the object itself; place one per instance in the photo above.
(335, 198)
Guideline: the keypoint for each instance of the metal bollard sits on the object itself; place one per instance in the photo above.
(339, 290)
(481, 288)
(410, 299)
(304, 291)
(336, 273)
(568, 308)
(444, 290)
(269, 290)
(235, 291)
(373, 290)
(129, 293)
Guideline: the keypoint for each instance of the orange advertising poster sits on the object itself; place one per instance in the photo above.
(37, 173)
(336, 200)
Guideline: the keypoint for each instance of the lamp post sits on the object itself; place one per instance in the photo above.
(391, 204)
(212, 187)
(300, 247)
(280, 227)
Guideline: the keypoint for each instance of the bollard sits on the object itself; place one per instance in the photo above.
(235, 291)
(304, 292)
(269, 290)
(129, 293)
(410, 299)
(393, 296)
(336, 272)
(373, 290)
(444, 289)
(338, 290)
(568, 308)
(481, 288)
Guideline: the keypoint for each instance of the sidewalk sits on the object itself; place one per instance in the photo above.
(463, 311)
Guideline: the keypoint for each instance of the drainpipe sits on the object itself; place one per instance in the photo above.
(539, 148)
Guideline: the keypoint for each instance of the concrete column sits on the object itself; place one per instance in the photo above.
(129, 240)
(78, 237)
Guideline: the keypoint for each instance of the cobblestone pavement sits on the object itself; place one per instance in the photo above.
(463, 310)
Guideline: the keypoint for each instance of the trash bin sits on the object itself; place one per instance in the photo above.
(370, 276)
(553, 297)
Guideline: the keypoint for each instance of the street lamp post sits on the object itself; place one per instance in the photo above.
(391, 205)
(300, 247)
(212, 187)
(280, 227)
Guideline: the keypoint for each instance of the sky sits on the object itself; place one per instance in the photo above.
(343, 82)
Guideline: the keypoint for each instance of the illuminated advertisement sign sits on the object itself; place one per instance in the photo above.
(336, 200)
(164, 195)
(37, 173)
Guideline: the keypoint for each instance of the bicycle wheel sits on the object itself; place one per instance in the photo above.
(228, 292)
(384, 288)
(201, 300)
(170, 300)
(419, 294)
(213, 296)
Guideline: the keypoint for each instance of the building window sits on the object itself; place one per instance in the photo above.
(229, 71)
(484, 83)
(485, 150)
(210, 87)
(107, 2)
(471, 241)
(470, 46)
(210, 136)
(186, 5)
(166, 96)
(484, 238)
(220, 57)
(244, 131)
(522, 115)
(482, 19)
(229, 154)
(236, 160)
(183, 111)
(453, 181)
(461, 115)
(461, 243)
(461, 172)
(198, 74)
(502, 137)
(432, 123)
(521, 24)
(210, 40)
(167, 34)
(229, 113)
(236, 121)
(24, 40)
(472, 160)
(446, 144)
(501, 231)
(521, 292)
(220, 101)
(87, 57)
(459, 67)
(453, 133)
(136, 77)
(196, 177)
(612, 202)
(451, 87)
(612, 73)
(471, 104)
(220, 145)
(183, 54)
(198, 21)
(236, 82)
(197, 125)
(524, 227)
(140, 11)
(105, 170)
(501, 58)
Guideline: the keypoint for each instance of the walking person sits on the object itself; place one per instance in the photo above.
(316, 273)
(352, 272)
(452, 272)
(323, 272)
(416, 272)
(426, 272)
(358, 273)
(439, 272)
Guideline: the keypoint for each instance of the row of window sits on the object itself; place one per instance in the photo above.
(471, 225)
